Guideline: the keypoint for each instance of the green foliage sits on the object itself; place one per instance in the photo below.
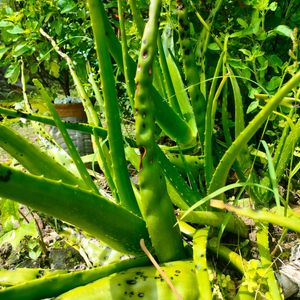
(141, 282)
(206, 82)
(67, 21)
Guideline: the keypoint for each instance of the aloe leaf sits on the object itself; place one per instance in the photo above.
(170, 91)
(282, 140)
(227, 254)
(103, 156)
(119, 164)
(200, 260)
(290, 221)
(33, 159)
(216, 219)
(82, 127)
(101, 132)
(262, 237)
(69, 143)
(220, 191)
(137, 17)
(187, 163)
(155, 201)
(191, 71)
(287, 149)
(181, 194)
(92, 118)
(56, 284)
(176, 179)
(272, 174)
(239, 122)
(181, 94)
(128, 80)
(21, 275)
(141, 283)
(221, 172)
(181, 133)
(100, 217)
(210, 120)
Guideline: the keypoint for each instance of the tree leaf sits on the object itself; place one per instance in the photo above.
(3, 51)
(236, 63)
(273, 6)
(4, 23)
(275, 61)
(246, 52)
(12, 73)
(242, 22)
(283, 30)
(9, 215)
(14, 237)
(21, 49)
(213, 47)
(262, 5)
(17, 29)
(253, 105)
(54, 69)
(274, 83)
(66, 5)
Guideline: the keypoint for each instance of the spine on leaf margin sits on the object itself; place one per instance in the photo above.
(155, 204)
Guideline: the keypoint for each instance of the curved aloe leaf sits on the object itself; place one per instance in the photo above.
(69, 142)
(221, 172)
(119, 228)
(83, 127)
(216, 219)
(101, 132)
(227, 254)
(285, 154)
(20, 275)
(180, 96)
(56, 284)
(33, 159)
(210, 120)
(141, 283)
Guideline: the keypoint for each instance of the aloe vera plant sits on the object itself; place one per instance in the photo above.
(169, 208)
